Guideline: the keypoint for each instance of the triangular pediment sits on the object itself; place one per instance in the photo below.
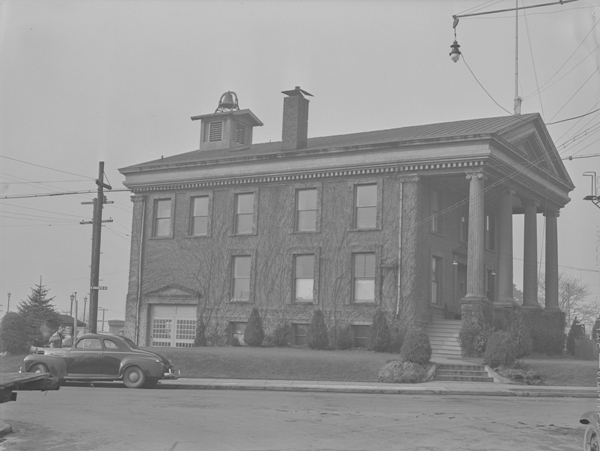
(532, 149)
(173, 291)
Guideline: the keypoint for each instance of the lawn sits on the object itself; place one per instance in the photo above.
(307, 364)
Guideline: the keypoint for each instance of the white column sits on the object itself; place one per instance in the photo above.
(530, 287)
(551, 286)
(476, 245)
(505, 249)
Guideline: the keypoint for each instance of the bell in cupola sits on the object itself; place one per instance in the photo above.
(228, 102)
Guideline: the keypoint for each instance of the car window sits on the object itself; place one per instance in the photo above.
(109, 344)
(89, 343)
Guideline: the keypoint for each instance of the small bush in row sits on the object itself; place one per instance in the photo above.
(402, 372)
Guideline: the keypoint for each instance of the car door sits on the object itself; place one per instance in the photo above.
(86, 358)
(112, 356)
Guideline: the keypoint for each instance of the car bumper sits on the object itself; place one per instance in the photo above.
(171, 375)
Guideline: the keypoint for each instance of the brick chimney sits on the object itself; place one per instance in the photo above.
(295, 119)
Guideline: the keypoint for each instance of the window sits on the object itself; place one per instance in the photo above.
(241, 278)
(199, 218)
(361, 336)
(306, 210)
(490, 231)
(436, 208)
(304, 273)
(237, 331)
(300, 331)
(464, 226)
(364, 277)
(215, 132)
(161, 332)
(244, 213)
(162, 217)
(185, 333)
(89, 343)
(436, 280)
(240, 133)
(490, 284)
(365, 206)
(109, 344)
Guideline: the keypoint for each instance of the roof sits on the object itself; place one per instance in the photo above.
(424, 133)
(66, 320)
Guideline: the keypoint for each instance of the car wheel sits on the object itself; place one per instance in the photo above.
(38, 368)
(150, 382)
(134, 377)
(590, 439)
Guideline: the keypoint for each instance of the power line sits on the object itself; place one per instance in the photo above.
(490, 96)
(46, 167)
(579, 89)
(572, 118)
(67, 193)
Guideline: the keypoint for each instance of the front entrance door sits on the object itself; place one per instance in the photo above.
(461, 286)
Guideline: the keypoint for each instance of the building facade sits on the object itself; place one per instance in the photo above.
(416, 221)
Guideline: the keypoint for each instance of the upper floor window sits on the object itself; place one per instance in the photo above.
(304, 277)
(306, 210)
(436, 208)
(241, 278)
(436, 280)
(363, 272)
(490, 231)
(162, 218)
(464, 226)
(199, 217)
(244, 213)
(365, 206)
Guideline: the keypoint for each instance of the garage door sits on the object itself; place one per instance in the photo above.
(172, 325)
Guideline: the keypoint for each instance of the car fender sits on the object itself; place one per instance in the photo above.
(592, 417)
(150, 365)
(57, 365)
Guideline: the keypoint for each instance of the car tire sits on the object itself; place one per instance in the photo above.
(590, 439)
(150, 382)
(38, 368)
(134, 377)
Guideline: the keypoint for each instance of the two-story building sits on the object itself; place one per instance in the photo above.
(415, 220)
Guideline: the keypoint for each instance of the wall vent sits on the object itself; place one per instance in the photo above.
(240, 133)
(215, 131)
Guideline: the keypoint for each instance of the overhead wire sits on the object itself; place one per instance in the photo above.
(46, 167)
(575, 93)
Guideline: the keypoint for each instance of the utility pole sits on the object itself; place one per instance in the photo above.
(96, 222)
(103, 312)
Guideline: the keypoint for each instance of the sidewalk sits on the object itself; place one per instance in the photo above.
(428, 388)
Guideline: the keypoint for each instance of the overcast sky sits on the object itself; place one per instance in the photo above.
(117, 81)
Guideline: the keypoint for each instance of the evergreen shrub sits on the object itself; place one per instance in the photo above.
(416, 347)
(575, 332)
(396, 340)
(473, 338)
(254, 333)
(500, 350)
(379, 332)
(402, 372)
(344, 338)
(14, 338)
(316, 335)
(520, 333)
(553, 342)
(282, 335)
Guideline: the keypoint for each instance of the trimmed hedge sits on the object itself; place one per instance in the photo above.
(416, 347)
(520, 332)
(500, 350)
(473, 338)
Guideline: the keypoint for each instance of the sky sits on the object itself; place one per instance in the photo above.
(117, 81)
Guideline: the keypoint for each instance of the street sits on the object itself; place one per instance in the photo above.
(114, 418)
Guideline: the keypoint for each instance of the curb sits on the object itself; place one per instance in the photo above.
(392, 390)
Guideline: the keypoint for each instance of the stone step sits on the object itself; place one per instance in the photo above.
(461, 373)
(460, 366)
(463, 378)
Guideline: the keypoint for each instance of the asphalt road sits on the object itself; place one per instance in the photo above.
(113, 418)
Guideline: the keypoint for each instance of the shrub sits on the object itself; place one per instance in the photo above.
(396, 340)
(254, 333)
(500, 350)
(402, 372)
(553, 341)
(14, 337)
(473, 338)
(575, 333)
(596, 330)
(520, 334)
(344, 338)
(416, 347)
(379, 332)
(316, 335)
(282, 335)
(502, 319)
(200, 339)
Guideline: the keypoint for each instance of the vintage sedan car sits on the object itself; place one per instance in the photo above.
(591, 440)
(102, 357)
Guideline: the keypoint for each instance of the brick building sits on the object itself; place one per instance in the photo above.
(414, 220)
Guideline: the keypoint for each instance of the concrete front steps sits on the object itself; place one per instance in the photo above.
(443, 336)
(461, 373)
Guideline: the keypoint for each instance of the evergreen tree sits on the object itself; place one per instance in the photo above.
(13, 334)
(379, 332)
(40, 318)
(254, 333)
(316, 335)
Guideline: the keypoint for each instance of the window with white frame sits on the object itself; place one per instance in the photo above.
(306, 210)
(199, 217)
(365, 206)
(244, 213)
(363, 271)
(241, 278)
(162, 218)
(436, 280)
(436, 208)
(304, 277)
